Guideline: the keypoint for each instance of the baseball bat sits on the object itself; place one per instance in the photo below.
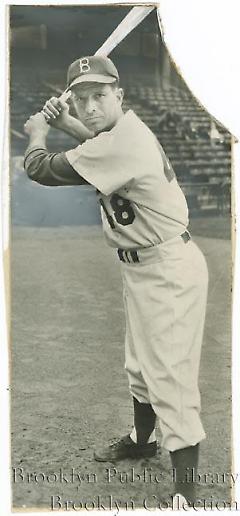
(128, 23)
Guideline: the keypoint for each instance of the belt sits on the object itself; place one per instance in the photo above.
(135, 256)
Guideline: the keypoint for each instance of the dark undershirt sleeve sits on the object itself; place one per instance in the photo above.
(51, 169)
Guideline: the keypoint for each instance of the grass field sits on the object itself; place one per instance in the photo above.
(69, 389)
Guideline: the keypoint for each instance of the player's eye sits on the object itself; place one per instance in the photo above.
(78, 99)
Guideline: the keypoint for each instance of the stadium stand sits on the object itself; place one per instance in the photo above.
(201, 163)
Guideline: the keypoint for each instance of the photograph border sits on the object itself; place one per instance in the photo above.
(5, 258)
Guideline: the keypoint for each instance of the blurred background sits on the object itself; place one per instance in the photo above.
(44, 41)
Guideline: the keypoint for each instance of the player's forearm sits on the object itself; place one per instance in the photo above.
(50, 169)
(75, 128)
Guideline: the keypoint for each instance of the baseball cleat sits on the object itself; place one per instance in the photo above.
(125, 448)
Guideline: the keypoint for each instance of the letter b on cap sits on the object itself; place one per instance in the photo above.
(84, 65)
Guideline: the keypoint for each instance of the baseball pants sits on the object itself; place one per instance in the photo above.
(165, 296)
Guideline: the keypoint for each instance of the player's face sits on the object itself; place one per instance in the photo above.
(99, 106)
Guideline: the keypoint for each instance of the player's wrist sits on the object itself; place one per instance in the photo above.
(38, 132)
(66, 121)
(75, 128)
(38, 137)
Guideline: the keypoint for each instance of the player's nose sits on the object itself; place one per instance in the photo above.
(90, 106)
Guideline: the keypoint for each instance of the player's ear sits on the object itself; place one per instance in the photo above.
(120, 94)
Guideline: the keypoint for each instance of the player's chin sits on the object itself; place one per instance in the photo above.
(97, 125)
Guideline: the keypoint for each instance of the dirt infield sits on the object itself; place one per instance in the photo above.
(69, 389)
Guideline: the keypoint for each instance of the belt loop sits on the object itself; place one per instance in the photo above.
(186, 236)
(127, 257)
(124, 256)
(120, 255)
(134, 256)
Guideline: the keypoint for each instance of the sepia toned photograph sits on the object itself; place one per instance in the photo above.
(121, 252)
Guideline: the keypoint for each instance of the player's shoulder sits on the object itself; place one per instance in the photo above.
(131, 131)
(130, 120)
(123, 135)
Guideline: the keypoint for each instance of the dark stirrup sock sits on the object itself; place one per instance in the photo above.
(144, 420)
(185, 464)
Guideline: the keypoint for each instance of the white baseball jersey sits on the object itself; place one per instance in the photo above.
(141, 201)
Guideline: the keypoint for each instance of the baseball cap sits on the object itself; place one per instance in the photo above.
(92, 69)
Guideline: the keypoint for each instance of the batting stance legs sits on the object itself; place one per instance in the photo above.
(165, 297)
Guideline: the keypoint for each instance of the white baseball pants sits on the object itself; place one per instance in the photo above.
(165, 298)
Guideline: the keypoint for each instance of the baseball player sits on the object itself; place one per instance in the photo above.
(145, 217)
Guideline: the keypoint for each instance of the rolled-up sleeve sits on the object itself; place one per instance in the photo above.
(50, 169)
